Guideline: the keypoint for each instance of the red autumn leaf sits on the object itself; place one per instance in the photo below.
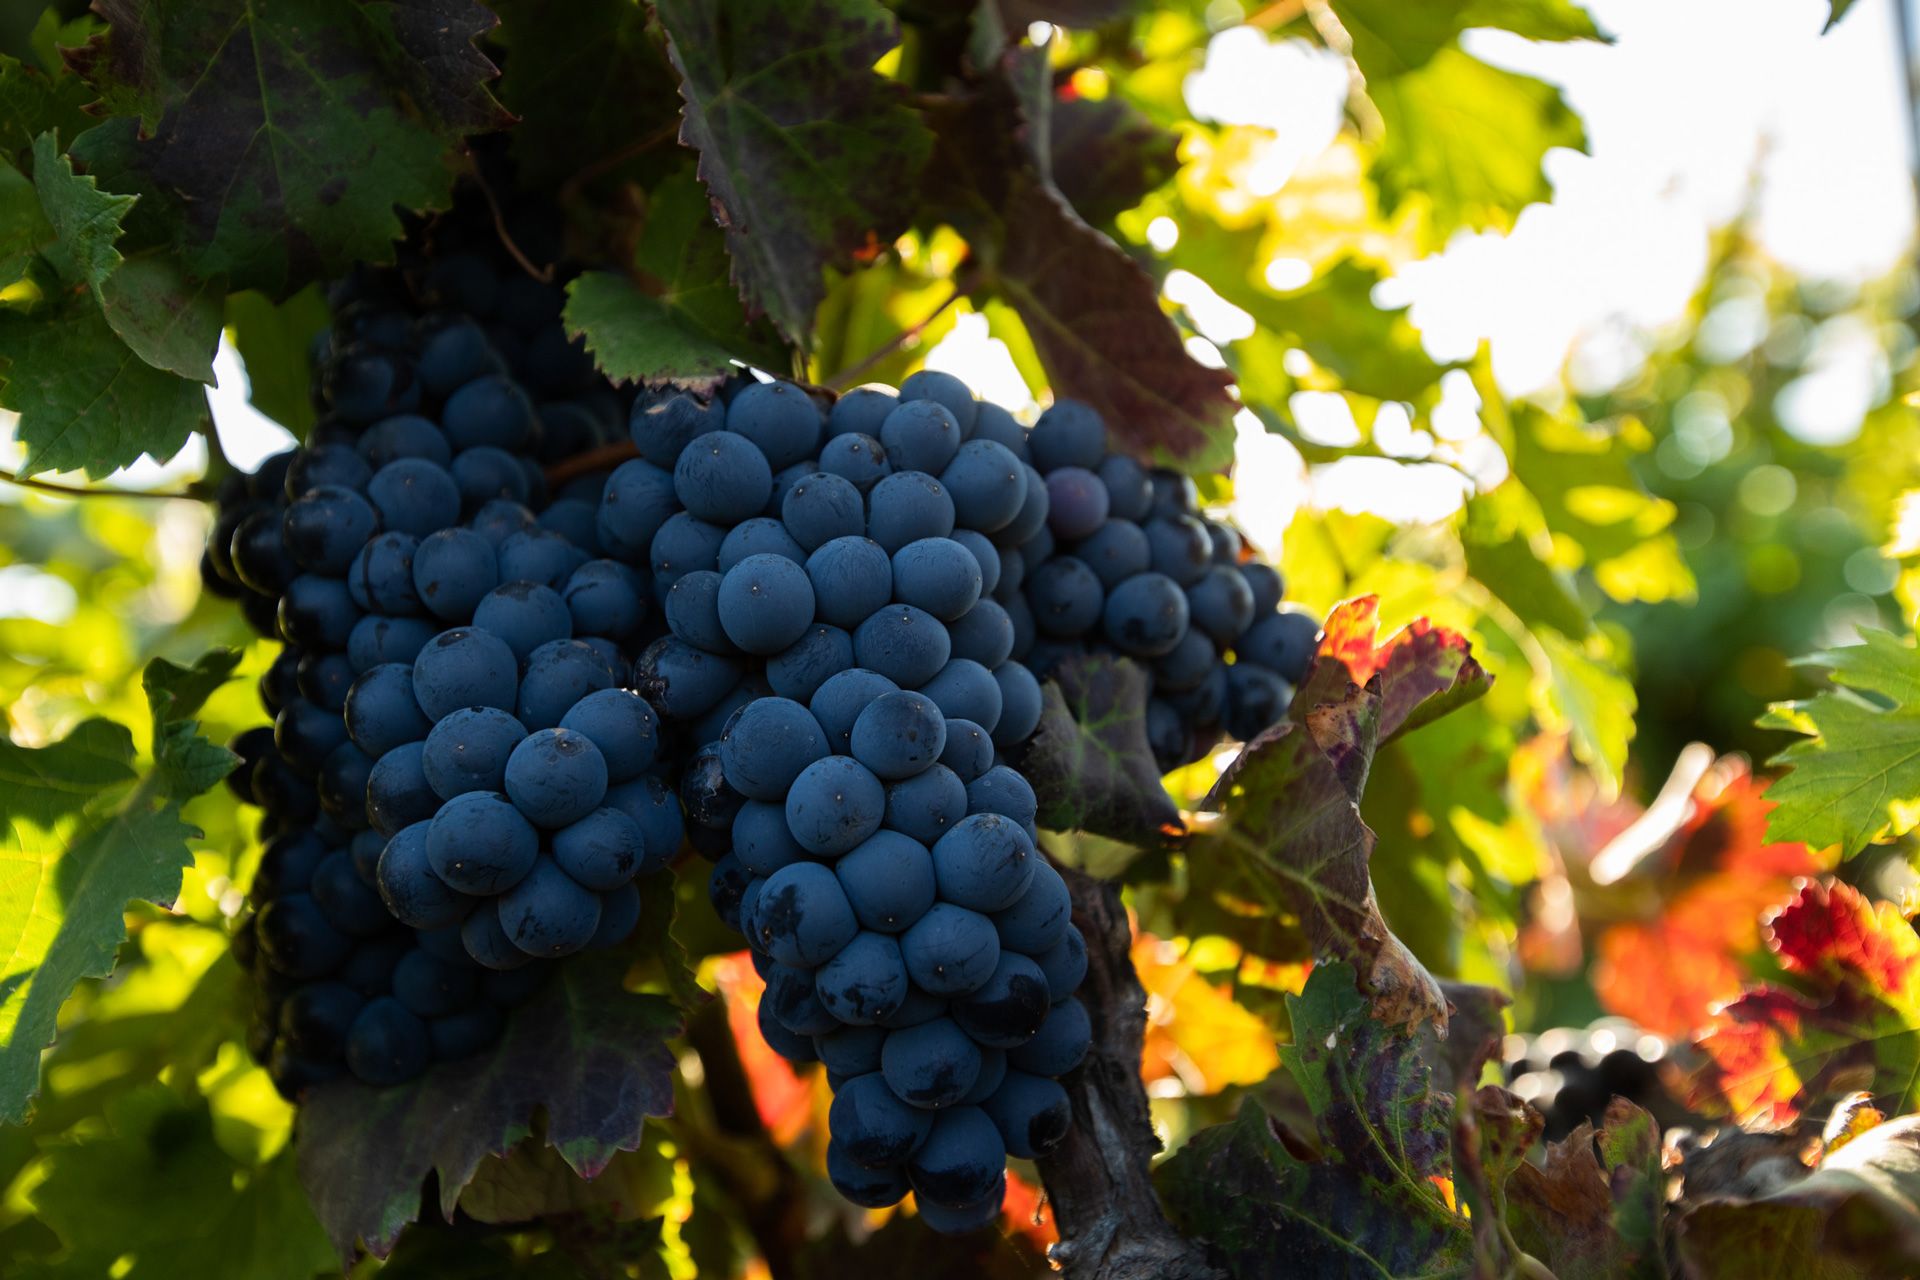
(1424, 671)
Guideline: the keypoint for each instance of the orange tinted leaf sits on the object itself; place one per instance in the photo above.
(782, 1096)
(1196, 1032)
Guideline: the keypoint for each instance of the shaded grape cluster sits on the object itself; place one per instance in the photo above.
(844, 677)
(459, 787)
(1126, 563)
(1571, 1074)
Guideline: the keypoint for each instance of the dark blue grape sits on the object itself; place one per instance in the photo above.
(1077, 503)
(467, 750)
(800, 669)
(381, 712)
(381, 576)
(1180, 547)
(619, 916)
(908, 506)
(326, 527)
(413, 892)
(1060, 1044)
(1115, 552)
(464, 1034)
(779, 418)
(888, 880)
(858, 458)
(259, 554)
(490, 410)
(769, 743)
(524, 616)
(461, 282)
(920, 1007)
(984, 864)
(573, 517)
(984, 634)
(937, 575)
(485, 474)
(1256, 698)
(950, 950)
(865, 981)
(341, 788)
(1185, 665)
(1227, 543)
(852, 577)
(317, 613)
(606, 599)
(486, 940)
(414, 496)
(327, 464)
(665, 422)
(430, 987)
(851, 1051)
(962, 1160)
(1146, 615)
(905, 644)
(861, 410)
(992, 422)
(985, 555)
(1266, 584)
(455, 354)
(1283, 642)
(405, 435)
(315, 1018)
(783, 482)
(692, 610)
(898, 735)
(397, 791)
(387, 1045)
(1009, 1009)
(286, 865)
(1037, 922)
(374, 640)
(796, 1006)
(499, 520)
(761, 535)
(833, 805)
(1129, 488)
(871, 1123)
(766, 603)
(821, 507)
(344, 899)
(726, 887)
(1064, 963)
(723, 477)
(920, 435)
(927, 805)
(681, 680)
(1066, 598)
(622, 725)
(838, 702)
(602, 851)
(558, 674)
(1221, 604)
(1020, 704)
(761, 840)
(947, 391)
(684, 545)
(306, 734)
(966, 690)
(969, 750)
(1068, 434)
(1032, 519)
(480, 844)
(541, 556)
(465, 667)
(548, 914)
(637, 501)
(797, 1049)
(802, 917)
(931, 1065)
(1031, 1112)
(298, 940)
(654, 808)
(556, 777)
(1003, 791)
(993, 1069)
(1206, 702)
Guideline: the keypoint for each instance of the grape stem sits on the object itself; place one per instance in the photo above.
(1098, 1180)
(543, 274)
(71, 491)
(580, 464)
(963, 282)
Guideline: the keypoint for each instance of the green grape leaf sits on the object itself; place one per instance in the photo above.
(33, 102)
(1093, 313)
(1467, 139)
(591, 1056)
(1364, 1203)
(1508, 556)
(1106, 156)
(86, 401)
(84, 838)
(1392, 39)
(272, 145)
(1592, 700)
(680, 321)
(85, 219)
(1534, 19)
(1856, 775)
(1089, 761)
(1836, 10)
(274, 341)
(591, 84)
(812, 159)
(1851, 1022)
(24, 231)
(170, 321)
(152, 1196)
(1854, 1215)
(1592, 1209)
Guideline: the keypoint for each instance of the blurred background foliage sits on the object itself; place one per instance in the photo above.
(1638, 549)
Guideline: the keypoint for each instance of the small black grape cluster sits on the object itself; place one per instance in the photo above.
(1571, 1074)
(844, 679)
(458, 788)
(1126, 563)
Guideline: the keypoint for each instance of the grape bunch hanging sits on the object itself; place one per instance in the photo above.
(805, 636)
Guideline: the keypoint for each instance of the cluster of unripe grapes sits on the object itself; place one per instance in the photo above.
(805, 635)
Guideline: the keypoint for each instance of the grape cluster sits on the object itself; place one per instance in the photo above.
(1125, 563)
(843, 675)
(1571, 1074)
(458, 788)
